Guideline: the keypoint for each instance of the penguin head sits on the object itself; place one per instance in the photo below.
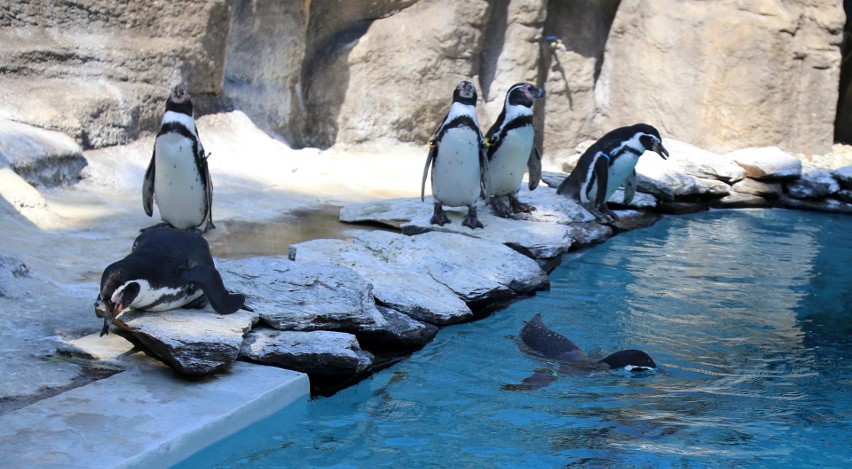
(630, 360)
(179, 101)
(465, 93)
(523, 94)
(651, 140)
(118, 291)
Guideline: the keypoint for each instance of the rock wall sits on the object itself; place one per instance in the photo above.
(721, 75)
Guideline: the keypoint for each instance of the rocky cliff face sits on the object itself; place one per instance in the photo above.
(721, 75)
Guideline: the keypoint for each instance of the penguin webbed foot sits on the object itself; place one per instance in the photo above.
(198, 303)
(520, 207)
(439, 217)
(609, 213)
(500, 209)
(471, 220)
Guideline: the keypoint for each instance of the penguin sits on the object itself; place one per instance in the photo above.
(178, 172)
(609, 163)
(510, 149)
(457, 160)
(537, 339)
(166, 269)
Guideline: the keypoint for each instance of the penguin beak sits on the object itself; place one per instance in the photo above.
(660, 149)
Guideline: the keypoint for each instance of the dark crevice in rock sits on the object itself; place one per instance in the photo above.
(492, 44)
(843, 122)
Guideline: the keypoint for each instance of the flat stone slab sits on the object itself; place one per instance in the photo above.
(399, 287)
(319, 352)
(297, 296)
(144, 417)
(193, 342)
(41, 157)
(769, 163)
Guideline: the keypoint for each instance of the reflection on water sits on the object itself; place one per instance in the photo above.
(747, 313)
(241, 239)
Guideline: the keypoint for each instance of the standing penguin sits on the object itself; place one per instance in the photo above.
(178, 173)
(609, 163)
(510, 149)
(166, 269)
(457, 160)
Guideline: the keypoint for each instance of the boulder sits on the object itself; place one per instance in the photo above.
(476, 270)
(398, 286)
(193, 342)
(41, 157)
(741, 200)
(11, 269)
(814, 184)
(312, 352)
(749, 186)
(701, 163)
(304, 297)
(843, 176)
(401, 332)
(828, 204)
(770, 163)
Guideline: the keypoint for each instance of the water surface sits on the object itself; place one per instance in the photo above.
(747, 313)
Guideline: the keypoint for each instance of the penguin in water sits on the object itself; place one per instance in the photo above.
(609, 163)
(536, 339)
(510, 149)
(178, 173)
(166, 269)
(457, 160)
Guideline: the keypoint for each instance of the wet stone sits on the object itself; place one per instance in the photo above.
(312, 352)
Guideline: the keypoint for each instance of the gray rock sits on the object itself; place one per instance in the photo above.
(712, 188)
(391, 212)
(476, 270)
(701, 163)
(827, 204)
(313, 352)
(11, 269)
(553, 178)
(297, 296)
(397, 286)
(749, 186)
(41, 157)
(741, 200)
(401, 332)
(843, 176)
(814, 184)
(844, 195)
(193, 342)
(770, 163)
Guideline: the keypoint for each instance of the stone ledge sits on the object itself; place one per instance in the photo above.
(144, 417)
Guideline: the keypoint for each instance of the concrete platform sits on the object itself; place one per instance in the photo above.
(144, 417)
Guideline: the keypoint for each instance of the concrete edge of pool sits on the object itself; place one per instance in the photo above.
(147, 416)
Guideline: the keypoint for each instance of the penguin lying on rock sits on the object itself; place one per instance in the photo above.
(457, 160)
(536, 339)
(510, 150)
(166, 269)
(609, 163)
(177, 175)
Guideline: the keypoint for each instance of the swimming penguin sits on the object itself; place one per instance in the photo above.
(510, 150)
(609, 163)
(457, 160)
(178, 173)
(537, 339)
(166, 269)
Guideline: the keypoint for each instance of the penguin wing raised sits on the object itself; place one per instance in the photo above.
(430, 161)
(534, 167)
(148, 186)
(208, 278)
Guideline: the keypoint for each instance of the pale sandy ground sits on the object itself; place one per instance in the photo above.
(73, 232)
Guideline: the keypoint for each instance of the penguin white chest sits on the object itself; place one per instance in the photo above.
(163, 298)
(508, 163)
(621, 168)
(178, 188)
(456, 176)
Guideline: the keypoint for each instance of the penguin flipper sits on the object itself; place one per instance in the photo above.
(630, 188)
(539, 379)
(208, 278)
(208, 225)
(430, 160)
(534, 168)
(601, 170)
(148, 186)
(484, 174)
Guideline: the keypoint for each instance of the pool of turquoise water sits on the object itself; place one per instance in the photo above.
(747, 313)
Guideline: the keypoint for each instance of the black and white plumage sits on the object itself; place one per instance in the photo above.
(166, 269)
(609, 163)
(177, 175)
(457, 160)
(511, 149)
